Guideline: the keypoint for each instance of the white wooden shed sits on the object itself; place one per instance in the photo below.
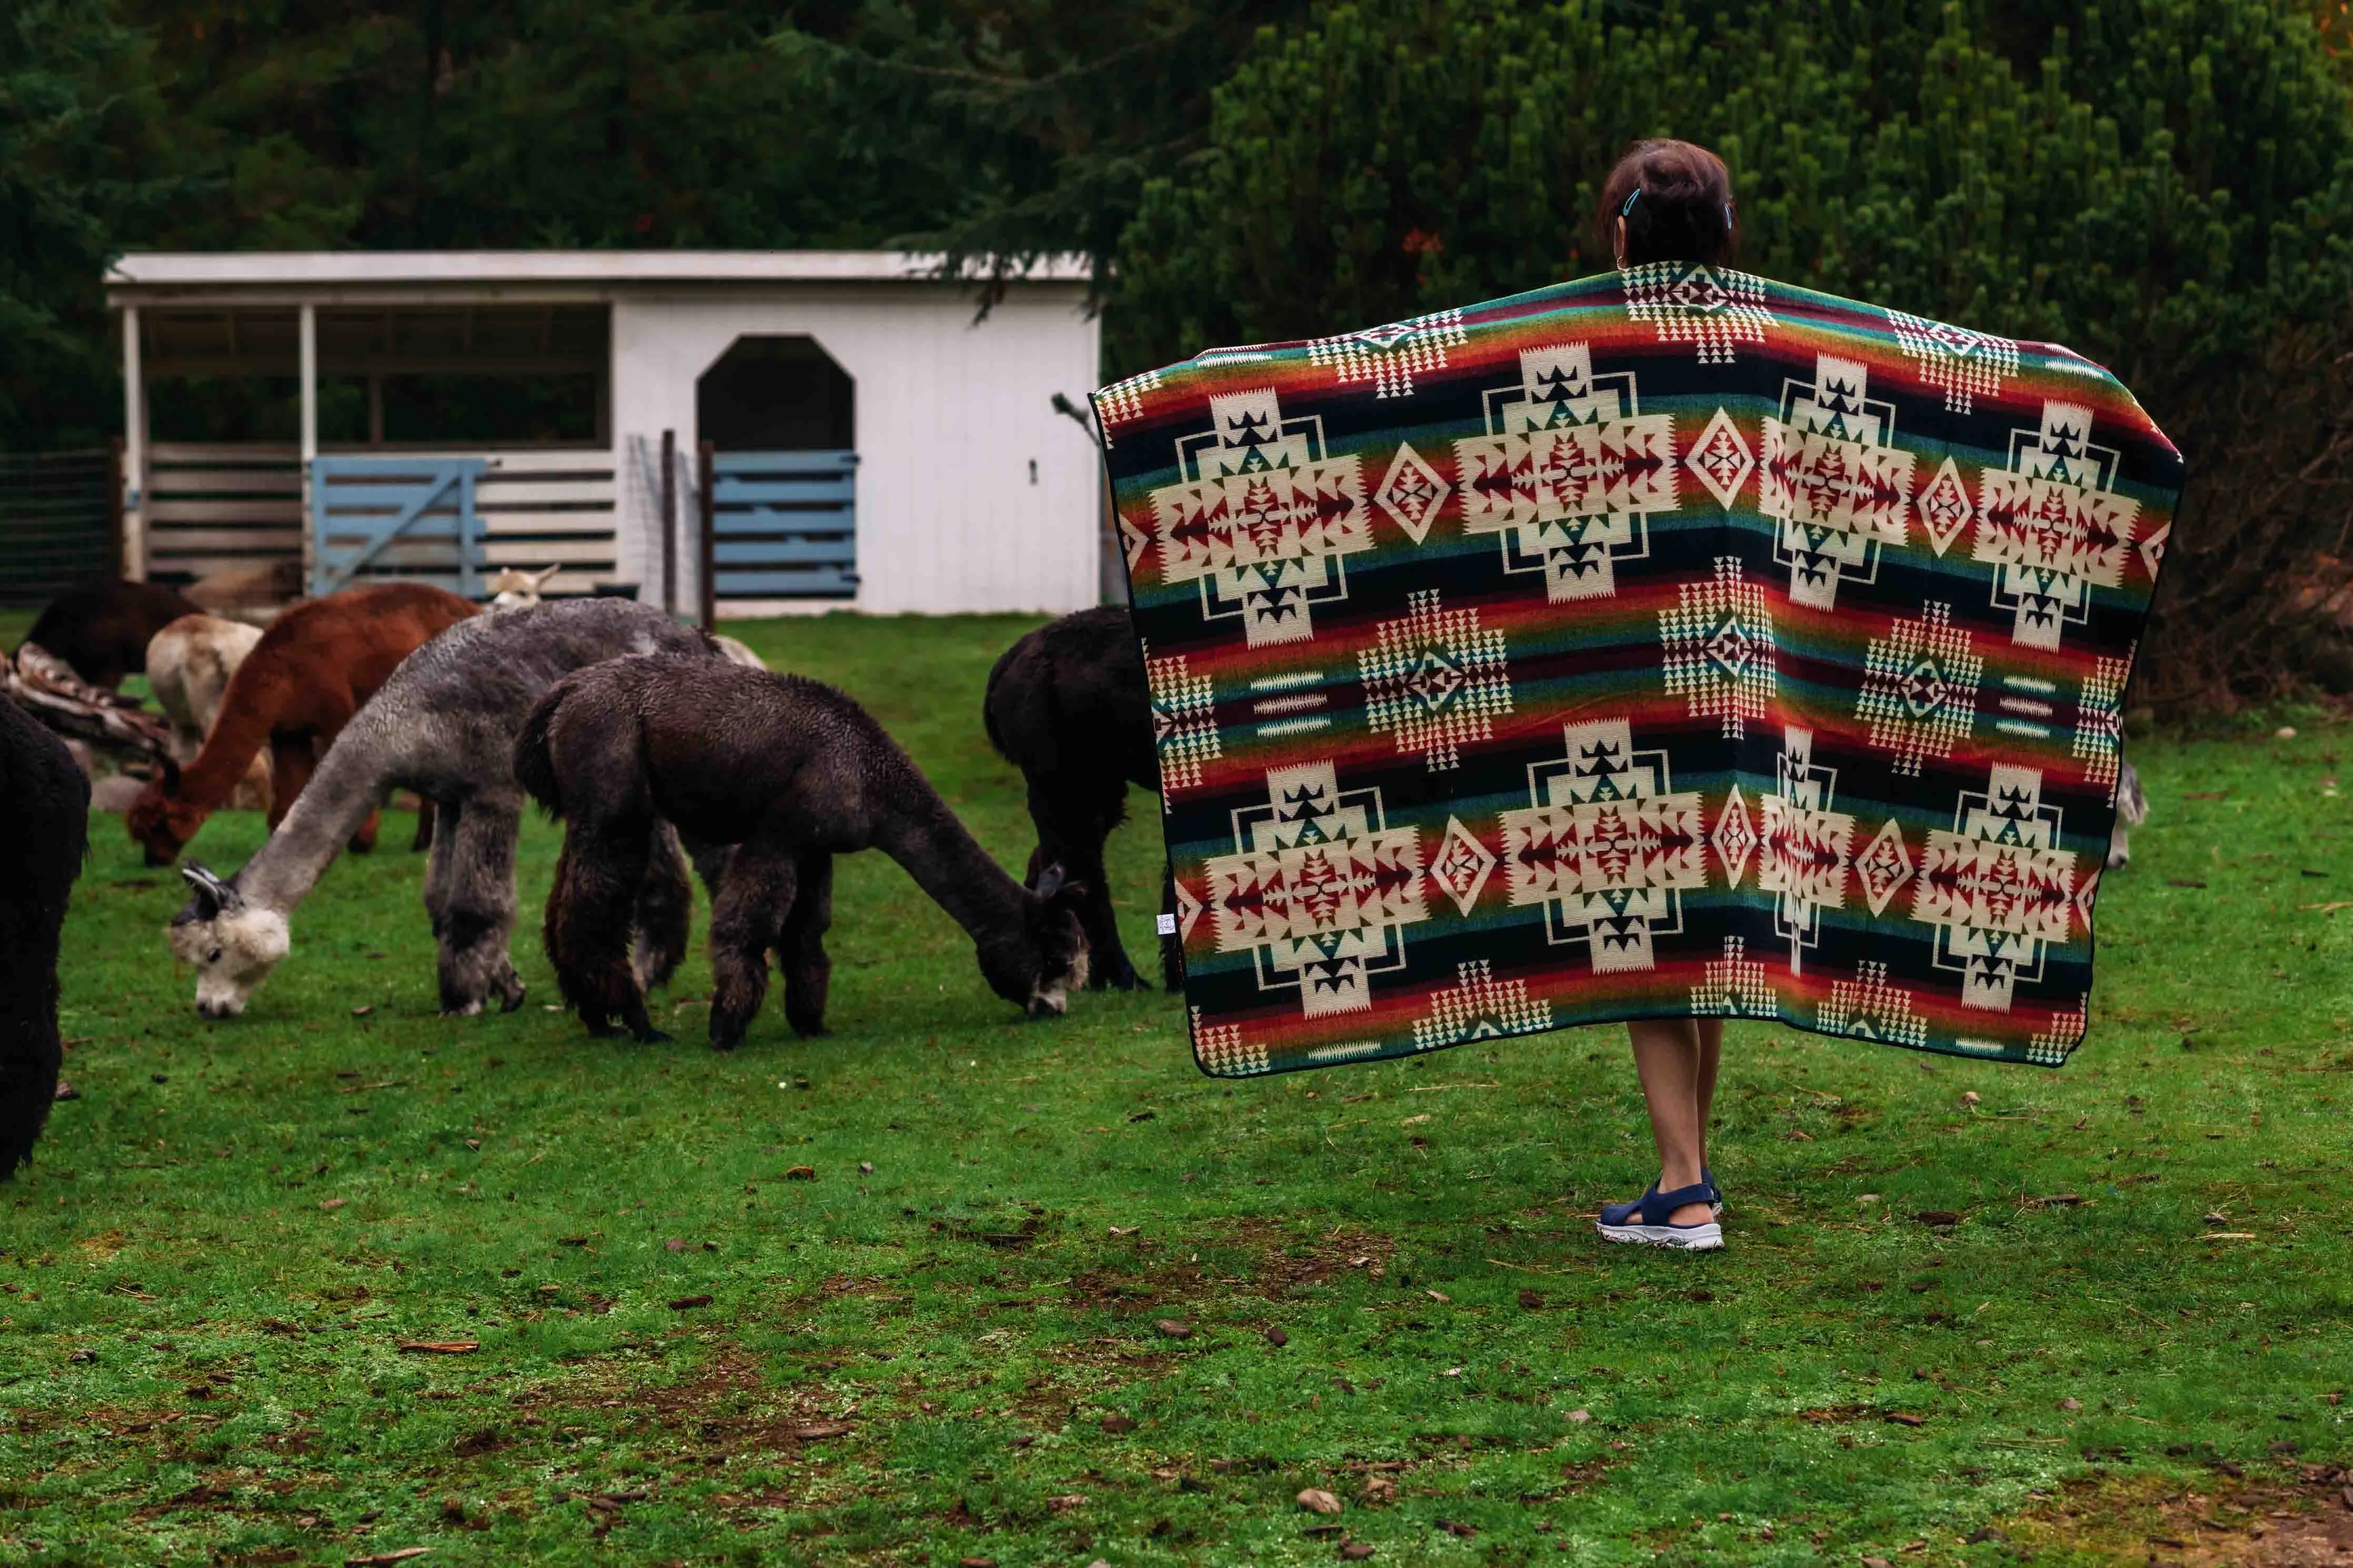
(878, 442)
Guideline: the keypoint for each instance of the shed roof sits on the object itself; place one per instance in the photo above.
(525, 274)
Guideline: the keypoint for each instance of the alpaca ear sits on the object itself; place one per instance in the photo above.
(1047, 882)
(1057, 891)
(213, 895)
(539, 579)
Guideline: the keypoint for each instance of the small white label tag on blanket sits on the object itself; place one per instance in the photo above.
(1167, 925)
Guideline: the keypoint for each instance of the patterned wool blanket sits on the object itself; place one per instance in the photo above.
(1671, 643)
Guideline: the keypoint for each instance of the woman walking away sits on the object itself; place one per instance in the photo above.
(1672, 201)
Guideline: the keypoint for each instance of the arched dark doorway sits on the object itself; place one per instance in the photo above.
(778, 422)
(776, 394)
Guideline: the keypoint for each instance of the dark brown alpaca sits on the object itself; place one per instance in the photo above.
(312, 670)
(789, 772)
(1068, 706)
(101, 629)
(45, 800)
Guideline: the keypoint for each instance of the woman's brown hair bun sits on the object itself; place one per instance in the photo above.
(1676, 200)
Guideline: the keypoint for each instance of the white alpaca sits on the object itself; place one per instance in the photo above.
(189, 663)
(512, 587)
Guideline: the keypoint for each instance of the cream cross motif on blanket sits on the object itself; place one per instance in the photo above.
(1998, 887)
(1319, 890)
(1834, 480)
(1261, 520)
(1608, 849)
(1568, 473)
(2052, 525)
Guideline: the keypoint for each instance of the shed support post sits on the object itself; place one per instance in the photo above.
(703, 578)
(130, 539)
(310, 377)
(669, 522)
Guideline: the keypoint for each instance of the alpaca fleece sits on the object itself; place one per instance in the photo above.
(1670, 644)
(45, 802)
(1067, 705)
(443, 725)
(790, 773)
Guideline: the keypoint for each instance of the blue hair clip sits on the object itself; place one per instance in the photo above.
(1727, 218)
(1634, 196)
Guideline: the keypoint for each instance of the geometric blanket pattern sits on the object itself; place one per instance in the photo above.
(1673, 642)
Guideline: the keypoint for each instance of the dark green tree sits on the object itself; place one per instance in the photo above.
(80, 144)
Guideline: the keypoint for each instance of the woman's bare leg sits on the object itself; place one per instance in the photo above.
(1667, 1056)
(1711, 1054)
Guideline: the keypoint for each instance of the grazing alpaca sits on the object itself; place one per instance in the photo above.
(189, 664)
(789, 772)
(443, 725)
(45, 800)
(294, 693)
(1067, 705)
(2132, 810)
(101, 629)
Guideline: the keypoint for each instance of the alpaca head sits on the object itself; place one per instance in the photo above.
(514, 586)
(160, 820)
(1038, 970)
(232, 944)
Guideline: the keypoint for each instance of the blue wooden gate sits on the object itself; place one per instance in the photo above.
(408, 518)
(783, 525)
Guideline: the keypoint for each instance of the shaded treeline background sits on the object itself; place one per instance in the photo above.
(2165, 186)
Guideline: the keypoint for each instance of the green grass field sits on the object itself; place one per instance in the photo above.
(948, 1343)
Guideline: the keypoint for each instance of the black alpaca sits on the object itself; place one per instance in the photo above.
(101, 629)
(790, 773)
(45, 800)
(1068, 706)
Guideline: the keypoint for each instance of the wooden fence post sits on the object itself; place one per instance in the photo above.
(118, 553)
(709, 547)
(669, 522)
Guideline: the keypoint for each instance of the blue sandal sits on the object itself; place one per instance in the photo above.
(1645, 1220)
(1714, 1193)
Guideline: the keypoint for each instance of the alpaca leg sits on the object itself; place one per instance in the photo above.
(423, 839)
(474, 870)
(748, 918)
(292, 764)
(1071, 832)
(599, 881)
(665, 910)
(800, 950)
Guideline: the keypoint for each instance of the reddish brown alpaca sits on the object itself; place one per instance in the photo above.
(294, 693)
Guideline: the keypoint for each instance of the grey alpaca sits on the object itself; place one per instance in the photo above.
(791, 773)
(443, 725)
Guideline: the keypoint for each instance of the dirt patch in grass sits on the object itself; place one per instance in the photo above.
(1281, 1263)
(2304, 1518)
(725, 1404)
